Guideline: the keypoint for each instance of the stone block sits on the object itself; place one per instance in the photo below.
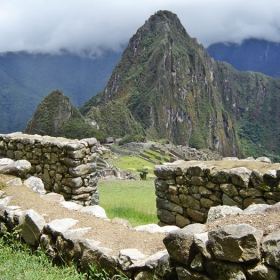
(18, 168)
(230, 202)
(197, 170)
(82, 169)
(271, 249)
(165, 172)
(19, 154)
(207, 203)
(240, 176)
(242, 241)
(219, 177)
(217, 212)
(128, 257)
(82, 197)
(257, 180)
(76, 154)
(179, 243)
(193, 189)
(249, 201)
(182, 180)
(223, 270)
(189, 202)
(201, 242)
(229, 189)
(31, 224)
(197, 216)
(272, 195)
(35, 184)
(204, 191)
(182, 221)
(70, 162)
(83, 190)
(174, 198)
(250, 193)
(72, 182)
(94, 210)
(57, 226)
(166, 216)
(198, 181)
(167, 205)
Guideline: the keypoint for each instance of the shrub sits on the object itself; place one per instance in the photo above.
(132, 138)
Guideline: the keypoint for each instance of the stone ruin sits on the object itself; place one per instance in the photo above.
(67, 167)
(187, 190)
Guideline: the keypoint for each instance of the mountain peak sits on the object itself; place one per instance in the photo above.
(164, 21)
(176, 91)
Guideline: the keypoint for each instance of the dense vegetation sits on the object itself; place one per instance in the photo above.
(115, 120)
(56, 116)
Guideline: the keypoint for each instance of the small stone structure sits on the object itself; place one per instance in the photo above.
(67, 167)
(186, 190)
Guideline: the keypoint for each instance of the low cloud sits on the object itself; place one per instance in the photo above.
(91, 26)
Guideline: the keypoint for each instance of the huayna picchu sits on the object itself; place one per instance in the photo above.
(176, 91)
(166, 86)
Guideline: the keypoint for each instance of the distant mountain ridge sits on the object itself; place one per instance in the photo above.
(25, 79)
(251, 55)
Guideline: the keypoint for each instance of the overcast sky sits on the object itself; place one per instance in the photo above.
(76, 25)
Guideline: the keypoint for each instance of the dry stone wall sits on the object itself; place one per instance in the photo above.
(67, 167)
(231, 252)
(186, 193)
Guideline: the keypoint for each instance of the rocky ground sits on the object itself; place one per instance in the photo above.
(117, 236)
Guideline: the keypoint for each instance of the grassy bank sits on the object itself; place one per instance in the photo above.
(134, 201)
(18, 262)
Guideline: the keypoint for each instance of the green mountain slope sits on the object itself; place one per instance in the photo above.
(175, 90)
(56, 116)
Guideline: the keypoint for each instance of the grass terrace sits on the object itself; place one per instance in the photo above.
(134, 201)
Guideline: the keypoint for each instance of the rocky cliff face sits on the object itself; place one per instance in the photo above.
(176, 91)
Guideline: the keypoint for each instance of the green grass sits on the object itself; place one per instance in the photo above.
(18, 263)
(134, 201)
(133, 163)
(152, 154)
